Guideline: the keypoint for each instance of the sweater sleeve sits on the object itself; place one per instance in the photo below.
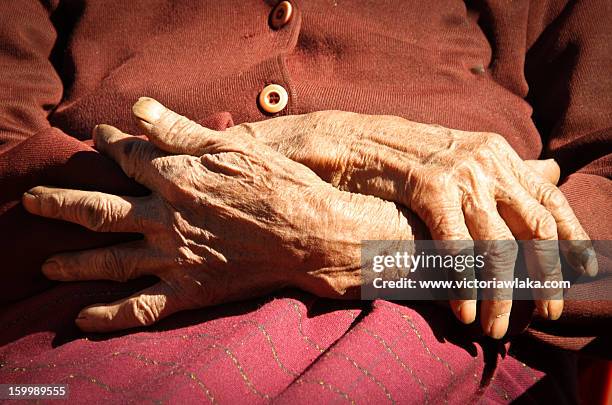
(29, 85)
(568, 69)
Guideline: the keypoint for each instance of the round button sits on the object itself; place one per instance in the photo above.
(281, 14)
(273, 98)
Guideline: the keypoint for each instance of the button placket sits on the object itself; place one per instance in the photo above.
(278, 96)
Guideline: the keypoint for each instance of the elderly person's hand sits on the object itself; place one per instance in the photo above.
(238, 220)
(463, 185)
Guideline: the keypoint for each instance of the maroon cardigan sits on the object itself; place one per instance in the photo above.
(538, 73)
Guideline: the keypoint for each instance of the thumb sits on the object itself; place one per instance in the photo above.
(172, 132)
(548, 169)
(141, 309)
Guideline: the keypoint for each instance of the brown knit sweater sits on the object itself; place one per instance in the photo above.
(537, 72)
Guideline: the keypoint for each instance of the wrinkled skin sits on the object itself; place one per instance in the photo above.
(301, 231)
(238, 221)
(465, 186)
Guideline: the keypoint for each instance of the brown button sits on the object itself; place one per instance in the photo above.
(273, 98)
(281, 14)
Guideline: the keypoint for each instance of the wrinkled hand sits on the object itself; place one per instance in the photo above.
(465, 186)
(236, 221)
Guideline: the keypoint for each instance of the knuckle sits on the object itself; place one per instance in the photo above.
(152, 215)
(553, 198)
(439, 181)
(184, 256)
(133, 152)
(502, 251)
(95, 213)
(128, 147)
(446, 225)
(468, 169)
(486, 153)
(175, 127)
(545, 226)
(495, 141)
(490, 148)
(110, 265)
(141, 151)
(143, 311)
(544, 191)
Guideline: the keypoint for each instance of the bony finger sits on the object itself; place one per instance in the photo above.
(462, 299)
(492, 321)
(172, 132)
(493, 242)
(543, 264)
(579, 251)
(136, 156)
(141, 309)
(447, 227)
(499, 259)
(532, 223)
(578, 248)
(116, 263)
(96, 211)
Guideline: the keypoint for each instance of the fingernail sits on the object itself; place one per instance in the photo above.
(555, 308)
(29, 200)
(148, 109)
(102, 131)
(589, 261)
(94, 319)
(467, 312)
(52, 270)
(83, 323)
(499, 327)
